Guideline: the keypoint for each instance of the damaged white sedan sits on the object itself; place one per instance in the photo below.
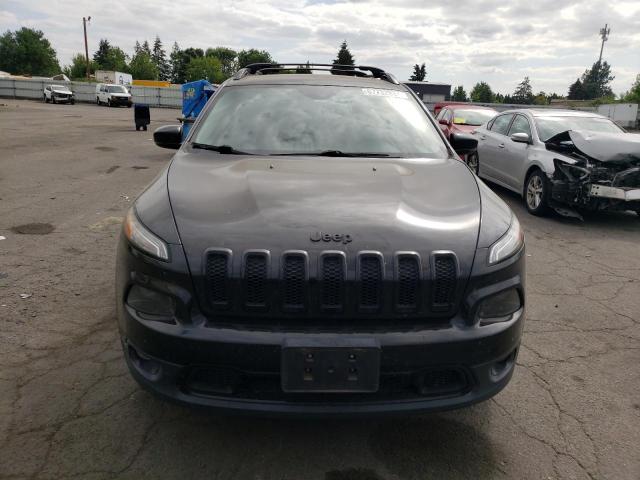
(564, 160)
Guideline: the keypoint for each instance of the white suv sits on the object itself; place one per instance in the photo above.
(58, 93)
(112, 95)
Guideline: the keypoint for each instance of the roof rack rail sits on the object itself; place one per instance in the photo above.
(337, 69)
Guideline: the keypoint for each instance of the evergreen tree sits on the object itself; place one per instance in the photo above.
(419, 73)
(178, 65)
(137, 48)
(145, 48)
(459, 95)
(159, 57)
(100, 55)
(576, 91)
(345, 59)
(523, 93)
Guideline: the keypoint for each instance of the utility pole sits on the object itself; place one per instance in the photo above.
(86, 45)
(604, 33)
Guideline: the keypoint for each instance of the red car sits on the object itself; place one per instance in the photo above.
(463, 118)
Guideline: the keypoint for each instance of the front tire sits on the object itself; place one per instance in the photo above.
(536, 193)
(473, 162)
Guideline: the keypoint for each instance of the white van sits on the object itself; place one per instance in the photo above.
(112, 95)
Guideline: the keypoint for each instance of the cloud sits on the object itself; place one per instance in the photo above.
(462, 42)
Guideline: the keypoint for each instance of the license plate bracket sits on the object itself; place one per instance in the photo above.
(330, 365)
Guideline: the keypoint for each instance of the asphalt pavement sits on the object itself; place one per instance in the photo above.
(69, 409)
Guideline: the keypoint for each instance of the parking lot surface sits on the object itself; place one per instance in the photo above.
(69, 409)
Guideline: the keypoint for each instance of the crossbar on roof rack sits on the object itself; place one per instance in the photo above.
(355, 70)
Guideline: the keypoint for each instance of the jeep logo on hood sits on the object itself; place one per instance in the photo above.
(331, 237)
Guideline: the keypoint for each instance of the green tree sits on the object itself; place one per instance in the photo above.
(100, 55)
(344, 58)
(27, 51)
(419, 73)
(108, 57)
(459, 95)
(247, 57)
(145, 48)
(227, 58)
(576, 91)
(178, 63)
(159, 57)
(143, 67)
(207, 68)
(541, 99)
(523, 93)
(633, 95)
(498, 98)
(596, 81)
(481, 93)
(78, 67)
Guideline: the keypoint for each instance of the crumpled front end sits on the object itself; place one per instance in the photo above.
(596, 171)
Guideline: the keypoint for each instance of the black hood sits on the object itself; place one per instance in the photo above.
(275, 203)
(605, 147)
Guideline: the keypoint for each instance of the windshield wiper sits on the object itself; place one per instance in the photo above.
(224, 149)
(334, 153)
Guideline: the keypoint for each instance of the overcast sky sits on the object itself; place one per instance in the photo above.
(461, 41)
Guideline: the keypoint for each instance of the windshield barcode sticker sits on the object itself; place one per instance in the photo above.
(375, 92)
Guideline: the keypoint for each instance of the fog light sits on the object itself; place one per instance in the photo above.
(151, 305)
(499, 307)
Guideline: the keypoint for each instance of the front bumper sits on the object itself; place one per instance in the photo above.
(243, 367)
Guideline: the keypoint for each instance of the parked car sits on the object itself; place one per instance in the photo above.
(113, 95)
(58, 94)
(463, 119)
(315, 246)
(561, 158)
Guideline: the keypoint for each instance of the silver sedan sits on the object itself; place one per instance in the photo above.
(560, 159)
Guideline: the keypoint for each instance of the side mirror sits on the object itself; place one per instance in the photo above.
(520, 137)
(463, 143)
(169, 136)
(442, 121)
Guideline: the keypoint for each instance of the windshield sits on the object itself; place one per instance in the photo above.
(551, 126)
(472, 117)
(311, 119)
(117, 89)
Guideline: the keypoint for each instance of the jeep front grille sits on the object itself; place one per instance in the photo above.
(330, 284)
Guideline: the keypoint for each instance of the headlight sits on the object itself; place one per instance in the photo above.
(143, 239)
(509, 243)
(499, 307)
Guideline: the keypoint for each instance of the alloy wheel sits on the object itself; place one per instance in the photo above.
(534, 192)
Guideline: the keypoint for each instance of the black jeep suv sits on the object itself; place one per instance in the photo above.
(317, 247)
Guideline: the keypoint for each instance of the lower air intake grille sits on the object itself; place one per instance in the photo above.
(294, 279)
(218, 277)
(444, 281)
(255, 277)
(370, 282)
(333, 273)
(408, 282)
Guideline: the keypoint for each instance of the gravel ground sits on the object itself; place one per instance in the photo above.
(68, 408)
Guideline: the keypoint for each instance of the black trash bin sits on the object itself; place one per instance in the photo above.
(141, 116)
